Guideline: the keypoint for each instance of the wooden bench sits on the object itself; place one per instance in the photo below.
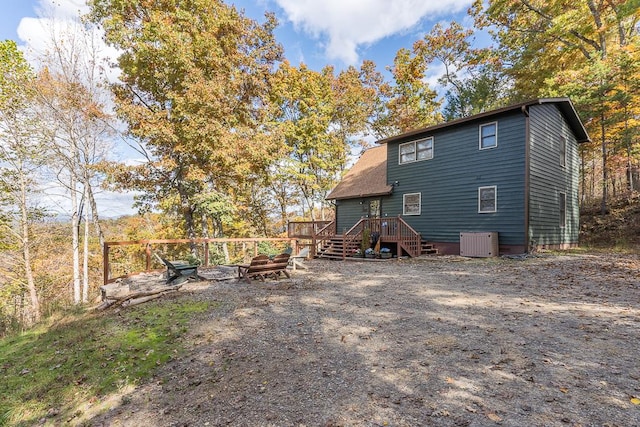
(261, 267)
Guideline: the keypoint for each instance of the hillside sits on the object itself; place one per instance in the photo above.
(617, 230)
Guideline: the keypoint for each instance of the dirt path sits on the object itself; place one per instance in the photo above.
(444, 341)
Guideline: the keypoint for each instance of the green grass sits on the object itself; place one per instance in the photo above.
(49, 372)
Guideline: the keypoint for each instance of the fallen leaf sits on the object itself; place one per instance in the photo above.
(635, 401)
(564, 389)
(494, 417)
(450, 380)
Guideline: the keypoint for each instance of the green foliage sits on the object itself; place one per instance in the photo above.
(86, 358)
(409, 103)
(271, 248)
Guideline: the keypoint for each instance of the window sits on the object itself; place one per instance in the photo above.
(416, 150)
(487, 199)
(411, 204)
(563, 209)
(563, 151)
(489, 135)
(424, 149)
(407, 152)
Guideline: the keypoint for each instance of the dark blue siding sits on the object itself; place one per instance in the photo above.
(349, 213)
(449, 182)
(548, 179)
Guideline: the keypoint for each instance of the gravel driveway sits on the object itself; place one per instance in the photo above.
(435, 341)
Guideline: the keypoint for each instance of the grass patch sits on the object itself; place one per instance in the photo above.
(49, 372)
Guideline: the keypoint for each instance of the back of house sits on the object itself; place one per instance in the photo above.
(511, 172)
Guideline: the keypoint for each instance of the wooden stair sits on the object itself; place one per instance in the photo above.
(428, 249)
(333, 248)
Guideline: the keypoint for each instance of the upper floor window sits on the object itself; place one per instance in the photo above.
(487, 199)
(416, 150)
(563, 151)
(488, 135)
(411, 204)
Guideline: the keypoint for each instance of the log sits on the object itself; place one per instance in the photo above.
(138, 297)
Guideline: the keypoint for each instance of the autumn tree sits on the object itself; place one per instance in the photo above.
(21, 160)
(408, 102)
(320, 117)
(194, 76)
(553, 46)
(72, 97)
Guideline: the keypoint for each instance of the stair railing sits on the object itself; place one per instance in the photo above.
(409, 238)
(353, 234)
(323, 234)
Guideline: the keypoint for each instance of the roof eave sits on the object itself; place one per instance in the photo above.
(565, 106)
(362, 195)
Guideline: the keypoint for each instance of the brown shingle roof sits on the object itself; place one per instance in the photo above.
(368, 177)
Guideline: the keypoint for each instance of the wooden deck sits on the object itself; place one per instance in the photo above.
(325, 242)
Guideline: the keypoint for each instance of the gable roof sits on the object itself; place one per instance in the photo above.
(368, 177)
(564, 105)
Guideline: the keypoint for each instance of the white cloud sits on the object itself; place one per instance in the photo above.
(350, 23)
(58, 22)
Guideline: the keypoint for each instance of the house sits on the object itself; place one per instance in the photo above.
(512, 172)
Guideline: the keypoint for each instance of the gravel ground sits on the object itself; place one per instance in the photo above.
(435, 341)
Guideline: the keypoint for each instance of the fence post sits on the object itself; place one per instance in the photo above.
(105, 263)
(148, 256)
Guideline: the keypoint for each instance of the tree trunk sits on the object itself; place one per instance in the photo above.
(583, 179)
(187, 215)
(26, 253)
(85, 252)
(77, 297)
(94, 212)
(605, 175)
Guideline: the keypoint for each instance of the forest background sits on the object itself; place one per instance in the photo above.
(238, 140)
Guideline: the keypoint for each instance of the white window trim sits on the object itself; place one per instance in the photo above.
(563, 221)
(495, 192)
(415, 150)
(480, 136)
(404, 204)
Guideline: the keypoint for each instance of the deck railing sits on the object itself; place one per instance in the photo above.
(306, 229)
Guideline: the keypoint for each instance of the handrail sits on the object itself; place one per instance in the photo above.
(321, 235)
(353, 233)
(323, 231)
(410, 239)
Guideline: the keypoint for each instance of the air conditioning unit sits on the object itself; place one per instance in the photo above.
(480, 244)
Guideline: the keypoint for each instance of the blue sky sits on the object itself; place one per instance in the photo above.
(316, 32)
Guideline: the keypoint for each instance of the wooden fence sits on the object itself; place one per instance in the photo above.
(139, 253)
